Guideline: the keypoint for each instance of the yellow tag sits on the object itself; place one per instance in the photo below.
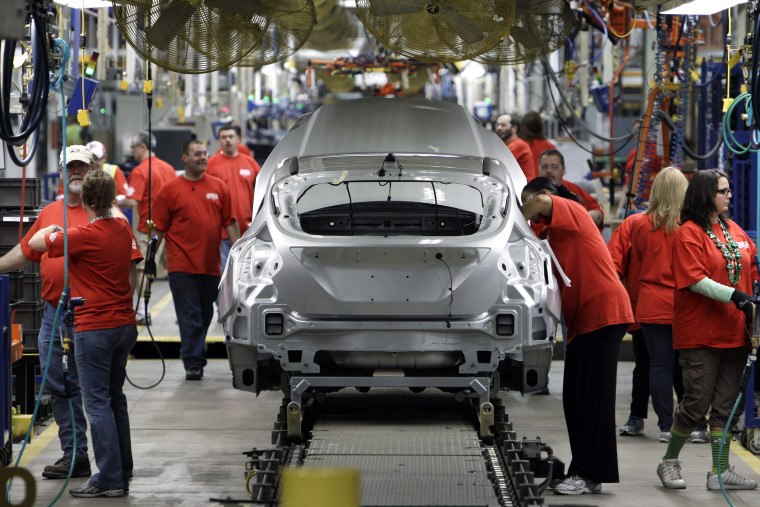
(734, 59)
(726, 104)
(181, 114)
(159, 103)
(83, 118)
(124, 85)
(147, 86)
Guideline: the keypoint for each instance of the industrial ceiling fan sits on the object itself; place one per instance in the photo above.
(194, 36)
(540, 27)
(440, 31)
(289, 27)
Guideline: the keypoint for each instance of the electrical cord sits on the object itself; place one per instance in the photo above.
(36, 100)
(550, 75)
(665, 117)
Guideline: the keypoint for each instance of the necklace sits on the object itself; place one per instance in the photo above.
(730, 252)
(107, 215)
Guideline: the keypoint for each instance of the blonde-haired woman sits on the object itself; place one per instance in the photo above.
(652, 239)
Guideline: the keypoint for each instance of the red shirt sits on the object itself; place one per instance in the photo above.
(239, 173)
(100, 258)
(521, 150)
(537, 147)
(190, 214)
(51, 269)
(699, 321)
(242, 150)
(588, 202)
(161, 172)
(654, 249)
(596, 298)
(627, 266)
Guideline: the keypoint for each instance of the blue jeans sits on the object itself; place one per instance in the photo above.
(224, 250)
(194, 296)
(662, 361)
(57, 388)
(102, 357)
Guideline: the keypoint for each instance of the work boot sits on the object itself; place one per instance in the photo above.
(61, 468)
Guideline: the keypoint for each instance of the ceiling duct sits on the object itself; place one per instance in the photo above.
(441, 31)
(290, 26)
(193, 36)
(540, 27)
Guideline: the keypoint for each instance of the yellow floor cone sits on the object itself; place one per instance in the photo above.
(320, 487)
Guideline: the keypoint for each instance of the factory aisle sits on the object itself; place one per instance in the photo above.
(188, 439)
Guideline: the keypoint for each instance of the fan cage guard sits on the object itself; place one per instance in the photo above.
(194, 36)
(437, 31)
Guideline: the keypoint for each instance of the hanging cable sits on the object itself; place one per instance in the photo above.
(684, 90)
(550, 74)
(34, 102)
(604, 28)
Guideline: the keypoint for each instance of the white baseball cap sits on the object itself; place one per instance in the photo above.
(76, 152)
(97, 149)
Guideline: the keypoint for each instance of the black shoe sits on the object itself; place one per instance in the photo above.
(194, 373)
(61, 468)
(145, 321)
(91, 491)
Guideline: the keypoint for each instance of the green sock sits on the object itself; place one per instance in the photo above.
(675, 444)
(715, 437)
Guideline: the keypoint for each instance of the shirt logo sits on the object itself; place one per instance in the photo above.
(134, 245)
(245, 172)
(744, 245)
(52, 236)
(212, 196)
(130, 190)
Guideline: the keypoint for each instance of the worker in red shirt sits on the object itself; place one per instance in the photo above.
(714, 269)
(189, 212)
(506, 129)
(241, 148)
(629, 271)
(78, 163)
(652, 239)
(532, 132)
(102, 256)
(597, 312)
(551, 164)
(146, 179)
(239, 172)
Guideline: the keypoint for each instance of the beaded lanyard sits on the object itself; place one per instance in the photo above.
(730, 252)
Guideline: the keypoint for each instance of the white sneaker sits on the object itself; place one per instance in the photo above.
(577, 485)
(634, 427)
(669, 472)
(665, 436)
(700, 436)
(731, 480)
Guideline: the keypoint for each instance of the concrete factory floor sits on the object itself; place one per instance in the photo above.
(188, 439)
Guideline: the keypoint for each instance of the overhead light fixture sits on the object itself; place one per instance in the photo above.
(703, 7)
(87, 4)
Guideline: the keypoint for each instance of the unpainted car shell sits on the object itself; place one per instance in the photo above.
(308, 294)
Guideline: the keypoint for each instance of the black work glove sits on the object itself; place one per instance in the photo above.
(743, 302)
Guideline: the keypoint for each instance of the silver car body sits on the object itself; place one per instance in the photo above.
(387, 236)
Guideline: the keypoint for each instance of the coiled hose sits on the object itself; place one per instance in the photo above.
(684, 91)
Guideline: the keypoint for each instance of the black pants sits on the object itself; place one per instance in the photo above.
(588, 397)
(640, 388)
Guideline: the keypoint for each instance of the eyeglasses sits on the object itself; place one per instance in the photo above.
(553, 167)
(725, 191)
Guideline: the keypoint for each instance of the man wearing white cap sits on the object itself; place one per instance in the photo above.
(98, 151)
(78, 162)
